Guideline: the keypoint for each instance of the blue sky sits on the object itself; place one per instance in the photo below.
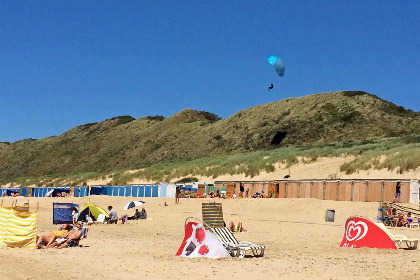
(67, 63)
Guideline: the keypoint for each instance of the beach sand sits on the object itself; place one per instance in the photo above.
(300, 244)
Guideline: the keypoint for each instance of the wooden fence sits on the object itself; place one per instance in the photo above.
(339, 190)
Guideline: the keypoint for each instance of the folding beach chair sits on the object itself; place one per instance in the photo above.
(238, 248)
(401, 241)
(213, 221)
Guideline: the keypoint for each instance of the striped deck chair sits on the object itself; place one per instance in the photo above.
(213, 215)
(213, 221)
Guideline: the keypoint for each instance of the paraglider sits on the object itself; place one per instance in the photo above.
(278, 65)
(272, 59)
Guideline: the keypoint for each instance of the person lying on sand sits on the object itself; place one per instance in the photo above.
(50, 238)
(238, 228)
(63, 242)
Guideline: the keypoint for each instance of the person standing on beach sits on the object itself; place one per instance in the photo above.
(397, 192)
(75, 215)
(177, 193)
(241, 190)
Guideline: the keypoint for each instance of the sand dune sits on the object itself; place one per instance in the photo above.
(322, 168)
(301, 245)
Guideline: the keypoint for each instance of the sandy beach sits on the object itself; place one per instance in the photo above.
(300, 244)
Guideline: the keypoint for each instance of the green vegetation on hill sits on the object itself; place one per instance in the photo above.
(401, 154)
(197, 140)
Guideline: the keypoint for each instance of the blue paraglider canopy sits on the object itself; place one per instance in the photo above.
(272, 59)
(279, 65)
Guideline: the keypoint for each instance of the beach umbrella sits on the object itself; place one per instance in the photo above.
(133, 204)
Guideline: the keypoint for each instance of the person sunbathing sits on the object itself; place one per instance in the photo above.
(63, 242)
(409, 219)
(402, 220)
(50, 238)
(394, 217)
(238, 228)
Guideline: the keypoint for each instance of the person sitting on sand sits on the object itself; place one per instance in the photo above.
(143, 214)
(88, 220)
(166, 204)
(113, 217)
(256, 195)
(211, 194)
(124, 218)
(50, 238)
(136, 215)
(63, 242)
(238, 228)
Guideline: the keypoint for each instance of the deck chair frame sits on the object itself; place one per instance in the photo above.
(234, 247)
(400, 240)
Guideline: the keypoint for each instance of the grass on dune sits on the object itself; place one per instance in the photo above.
(402, 154)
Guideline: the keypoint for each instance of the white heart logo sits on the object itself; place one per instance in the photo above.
(356, 231)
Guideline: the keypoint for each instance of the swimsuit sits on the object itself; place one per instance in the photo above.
(61, 240)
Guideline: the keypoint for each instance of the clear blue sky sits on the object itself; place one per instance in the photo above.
(67, 63)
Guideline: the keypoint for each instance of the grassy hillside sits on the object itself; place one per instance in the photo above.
(127, 143)
(400, 154)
